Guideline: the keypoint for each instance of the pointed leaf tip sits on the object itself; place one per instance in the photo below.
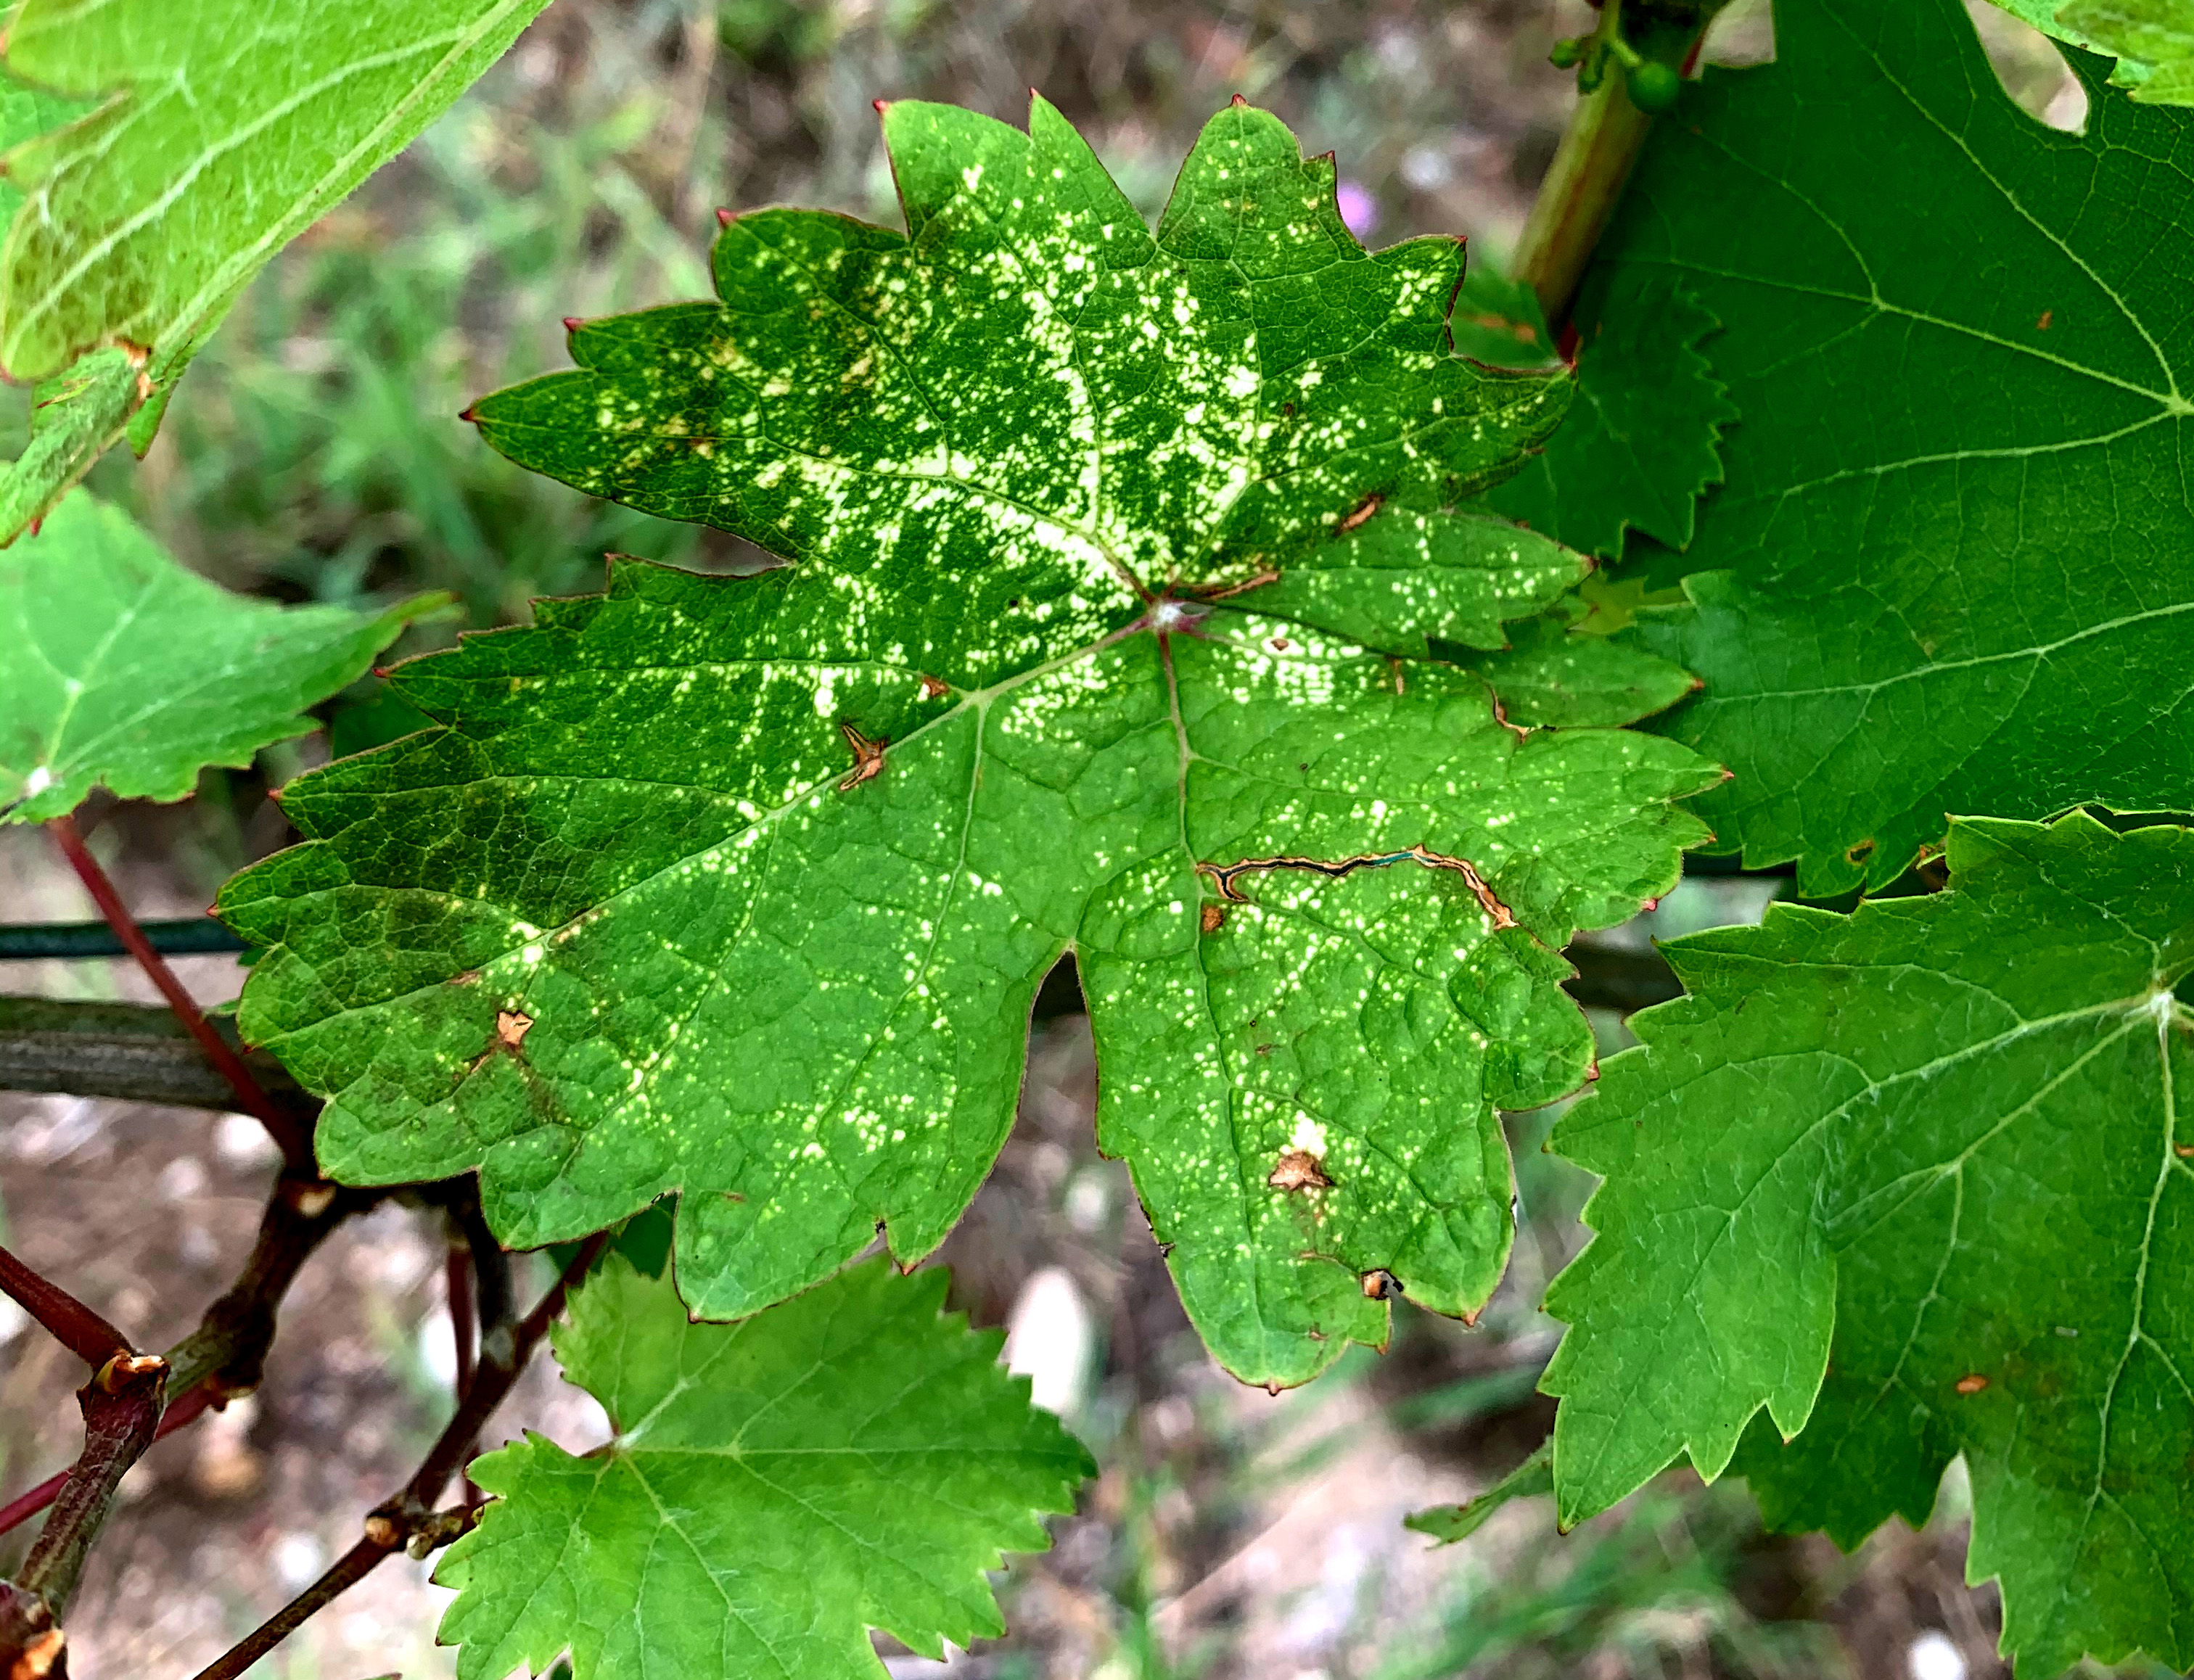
(574, 322)
(726, 218)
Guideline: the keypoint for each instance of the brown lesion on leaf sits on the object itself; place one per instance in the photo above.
(1973, 1385)
(1299, 1170)
(1861, 852)
(1214, 917)
(1380, 1285)
(932, 688)
(868, 758)
(1501, 716)
(1362, 511)
(470, 978)
(511, 1027)
(1223, 876)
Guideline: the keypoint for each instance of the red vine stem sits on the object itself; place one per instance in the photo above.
(504, 1350)
(75, 1326)
(295, 1141)
(28, 1504)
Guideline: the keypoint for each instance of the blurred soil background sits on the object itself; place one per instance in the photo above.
(315, 453)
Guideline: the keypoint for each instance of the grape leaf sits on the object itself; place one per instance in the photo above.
(126, 670)
(1643, 440)
(1559, 671)
(2152, 40)
(1952, 567)
(222, 130)
(1932, 1149)
(774, 1489)
(1532, 1479)
(770, 869)
(78, 412)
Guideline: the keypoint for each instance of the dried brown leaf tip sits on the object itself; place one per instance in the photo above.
(1299, 1170)
(868, 758)
(1973, 1385)
(511, 1027)
(1214, 917)
(1380, 1285)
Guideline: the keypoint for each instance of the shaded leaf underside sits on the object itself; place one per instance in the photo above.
(125, 670)
(203, 139)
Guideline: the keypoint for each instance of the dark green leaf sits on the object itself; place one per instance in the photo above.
(1916, 1181)
(1958, 532)
(775, 1489)
(1643, 439)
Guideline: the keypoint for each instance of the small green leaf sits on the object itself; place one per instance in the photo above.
(774, 865)
(2152, 40)
(124, 670)
(75, 416)
(1532, 1479)
(1557, 673)
(1916, 1181)
(775, 1488)
(1952, 567)
(219, 131)
(1642, 442)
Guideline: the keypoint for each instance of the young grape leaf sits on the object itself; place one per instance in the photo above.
(1643, 442)
(744, 887)
(221, 130)
(775, 1488)
(1958, 532)
(2152, 40)
(1532, 1479)
(124, 670)
(1916, 1181)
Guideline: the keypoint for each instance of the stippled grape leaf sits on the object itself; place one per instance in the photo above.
(123, 670)
(1642, 442)
(1953, 565)
(744, 887)
(775, 1488)
(2152, 40)
(212, 135)
(1917, 1181)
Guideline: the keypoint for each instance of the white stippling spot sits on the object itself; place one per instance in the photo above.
(1309, 1137)
(37, 782)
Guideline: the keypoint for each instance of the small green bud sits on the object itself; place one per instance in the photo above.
(1569, 52)
(1655, 87)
